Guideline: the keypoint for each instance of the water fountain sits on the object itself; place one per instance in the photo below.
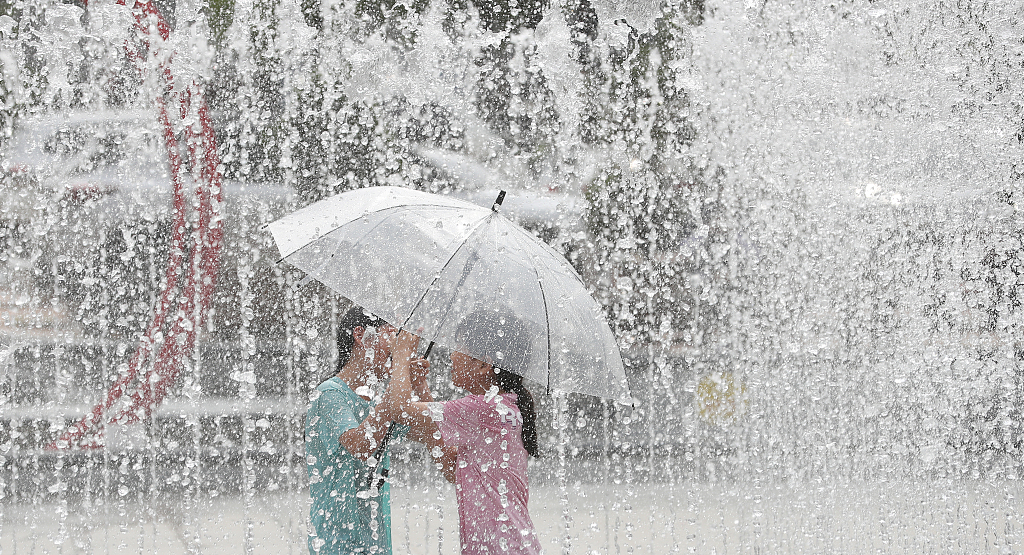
(802, 218)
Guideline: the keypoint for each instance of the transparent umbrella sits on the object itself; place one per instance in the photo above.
(426, 262)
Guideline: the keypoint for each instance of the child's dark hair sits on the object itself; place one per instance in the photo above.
(512, 382)
(504, 342)
(353, 318)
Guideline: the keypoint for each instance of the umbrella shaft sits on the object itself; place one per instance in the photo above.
(378, 456)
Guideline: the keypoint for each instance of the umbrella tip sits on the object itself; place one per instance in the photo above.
(497, 202)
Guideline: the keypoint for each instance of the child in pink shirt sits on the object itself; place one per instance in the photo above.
(482, 441)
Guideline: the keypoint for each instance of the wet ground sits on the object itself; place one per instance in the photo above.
(585, 518)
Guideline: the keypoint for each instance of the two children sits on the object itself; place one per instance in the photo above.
(481, 441)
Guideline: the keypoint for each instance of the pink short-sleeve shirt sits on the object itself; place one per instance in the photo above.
(490, 476)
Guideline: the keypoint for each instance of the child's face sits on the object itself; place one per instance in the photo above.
(470, 374)
(378, 343)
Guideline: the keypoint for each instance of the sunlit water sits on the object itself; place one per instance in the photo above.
(831, 360)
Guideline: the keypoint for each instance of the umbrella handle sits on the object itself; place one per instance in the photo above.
(377, 478)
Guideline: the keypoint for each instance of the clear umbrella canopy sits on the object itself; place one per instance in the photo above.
(427, 262)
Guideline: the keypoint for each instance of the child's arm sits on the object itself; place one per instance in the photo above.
(362, 441)
(399, 405)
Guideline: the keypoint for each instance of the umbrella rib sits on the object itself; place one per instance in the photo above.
(437, 276)
(567, 267)
(547, 323)
(455, 291)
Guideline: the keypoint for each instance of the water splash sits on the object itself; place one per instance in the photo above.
(804, 213)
